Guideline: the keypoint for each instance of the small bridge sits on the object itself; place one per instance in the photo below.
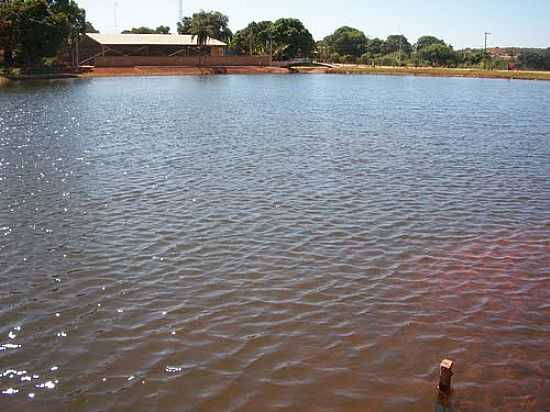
(301, 62)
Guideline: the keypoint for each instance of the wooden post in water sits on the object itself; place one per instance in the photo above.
(445, 375)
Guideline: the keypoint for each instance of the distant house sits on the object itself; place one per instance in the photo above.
(146, 49)
(498, 53)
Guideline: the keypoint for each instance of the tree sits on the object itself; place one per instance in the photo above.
(76, 20)
(163, 30)
(472, 57)
(347, 41)
(31, 30)
(204, 26)
(89, 28)
(35, 31)
(534, 59)
(253, 39)
(396, 43)
(218, 23)
(437, 54)
(148, 30)
(184, 26)
(291, 39)
(375, 46)
(8, 38)
(426, 41)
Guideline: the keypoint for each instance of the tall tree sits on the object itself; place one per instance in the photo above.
(76, 20)
(347, 41)
(31, 30)
(426, 41)
(218, 22)
(437, 54)
(254, 38)
(397, 43)
(8, 36)
(375, 46)
(291, 39)
(204, 26)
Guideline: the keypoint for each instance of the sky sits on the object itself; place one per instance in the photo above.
(523, 23)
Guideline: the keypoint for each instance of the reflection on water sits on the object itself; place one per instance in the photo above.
(274, 243)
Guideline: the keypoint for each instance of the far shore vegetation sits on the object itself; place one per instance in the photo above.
(40, 37)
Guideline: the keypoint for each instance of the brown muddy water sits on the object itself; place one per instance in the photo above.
(264, 243)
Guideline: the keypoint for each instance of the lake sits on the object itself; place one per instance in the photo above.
(274, 243)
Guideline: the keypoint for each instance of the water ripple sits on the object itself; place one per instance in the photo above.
(265, 243)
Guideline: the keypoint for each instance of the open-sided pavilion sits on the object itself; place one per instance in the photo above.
(123, 50)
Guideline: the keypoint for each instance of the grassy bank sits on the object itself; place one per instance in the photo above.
(430, 71)
(46, 73)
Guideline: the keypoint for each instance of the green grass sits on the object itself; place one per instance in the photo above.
(11, 73)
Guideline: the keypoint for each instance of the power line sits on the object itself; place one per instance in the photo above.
(486, 35)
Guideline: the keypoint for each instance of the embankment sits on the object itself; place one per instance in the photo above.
(180, 71)
(429, 71)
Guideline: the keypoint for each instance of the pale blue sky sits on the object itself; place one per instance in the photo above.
(524, 23)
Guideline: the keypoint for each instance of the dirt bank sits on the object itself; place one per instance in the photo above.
(180, 71)
(3, 81)
(429, 71)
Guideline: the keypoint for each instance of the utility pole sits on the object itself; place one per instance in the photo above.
(180, 15)
(485, 49)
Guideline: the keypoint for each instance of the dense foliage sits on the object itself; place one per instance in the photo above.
(346, 41)
(350, 45)
(426, 41)
(254, 39)
(206, 23)
(287, 38)
(291, 39)
(32, 30)
(535, 59)
(147, 30)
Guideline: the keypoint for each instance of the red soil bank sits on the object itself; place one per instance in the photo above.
(180, 71)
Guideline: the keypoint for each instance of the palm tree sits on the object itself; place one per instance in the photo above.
(203, 27)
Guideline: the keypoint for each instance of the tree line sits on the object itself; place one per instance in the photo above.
(350, 45)
(285, 38)
(33, 32)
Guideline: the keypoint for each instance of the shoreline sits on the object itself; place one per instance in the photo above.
(145, 71)
(180, 71)
(428, 72)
